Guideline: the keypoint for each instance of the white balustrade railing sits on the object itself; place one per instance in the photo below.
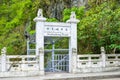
(22, 62)
(32, 62)
(112, 59)
(84, 61)
(95, 60)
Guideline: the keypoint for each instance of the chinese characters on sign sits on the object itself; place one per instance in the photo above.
(57, 31)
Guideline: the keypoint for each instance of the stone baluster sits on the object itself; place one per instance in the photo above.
(23, 64)
(103, 57)
(89, 61)
(3, 60)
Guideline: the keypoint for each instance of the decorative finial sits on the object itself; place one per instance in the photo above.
(40, 13)
(39, 17)
(102, 49)
(73, 18)
(73, 15)
(3, 51)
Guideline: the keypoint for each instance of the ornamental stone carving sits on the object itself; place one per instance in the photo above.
(74, 50)
(3, 51)
(41, 50)
(40, 13)
(73, 16)
(102, 49)
(39, 17)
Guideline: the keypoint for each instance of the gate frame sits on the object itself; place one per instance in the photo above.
(40, 33)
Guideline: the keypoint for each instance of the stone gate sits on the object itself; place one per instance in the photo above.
(56, 29)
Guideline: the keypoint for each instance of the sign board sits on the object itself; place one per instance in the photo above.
(58, 31)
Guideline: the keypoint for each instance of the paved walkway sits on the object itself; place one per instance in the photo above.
(68, 76)
(111, 79)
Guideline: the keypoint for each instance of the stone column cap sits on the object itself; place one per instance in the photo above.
(37, 19)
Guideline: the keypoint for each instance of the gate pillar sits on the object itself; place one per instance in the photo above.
(40, 21)
(73, 43)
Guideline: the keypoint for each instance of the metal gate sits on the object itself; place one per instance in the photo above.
(58, 63)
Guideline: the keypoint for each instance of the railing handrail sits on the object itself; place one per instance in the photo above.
(90, 55)
(20, 56)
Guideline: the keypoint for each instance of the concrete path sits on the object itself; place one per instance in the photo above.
(111, 79)
(68, 76)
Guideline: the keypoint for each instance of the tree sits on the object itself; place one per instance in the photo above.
(15, 16)
(99, 26)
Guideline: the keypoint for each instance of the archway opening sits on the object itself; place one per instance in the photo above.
(56, 51)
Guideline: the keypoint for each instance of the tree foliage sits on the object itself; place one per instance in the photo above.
(15, 16)
(99, 26)
(99, 23)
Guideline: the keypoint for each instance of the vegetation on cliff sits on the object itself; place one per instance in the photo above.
(99, 23)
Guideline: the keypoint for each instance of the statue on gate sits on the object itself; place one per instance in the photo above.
(40, 14)
(72, 16)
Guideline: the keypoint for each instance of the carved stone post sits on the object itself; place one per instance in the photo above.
(3, 60)
(23, 64)
(74, 60)
(103, 57)
(73, 39)
(41, 61)
(40, 22)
